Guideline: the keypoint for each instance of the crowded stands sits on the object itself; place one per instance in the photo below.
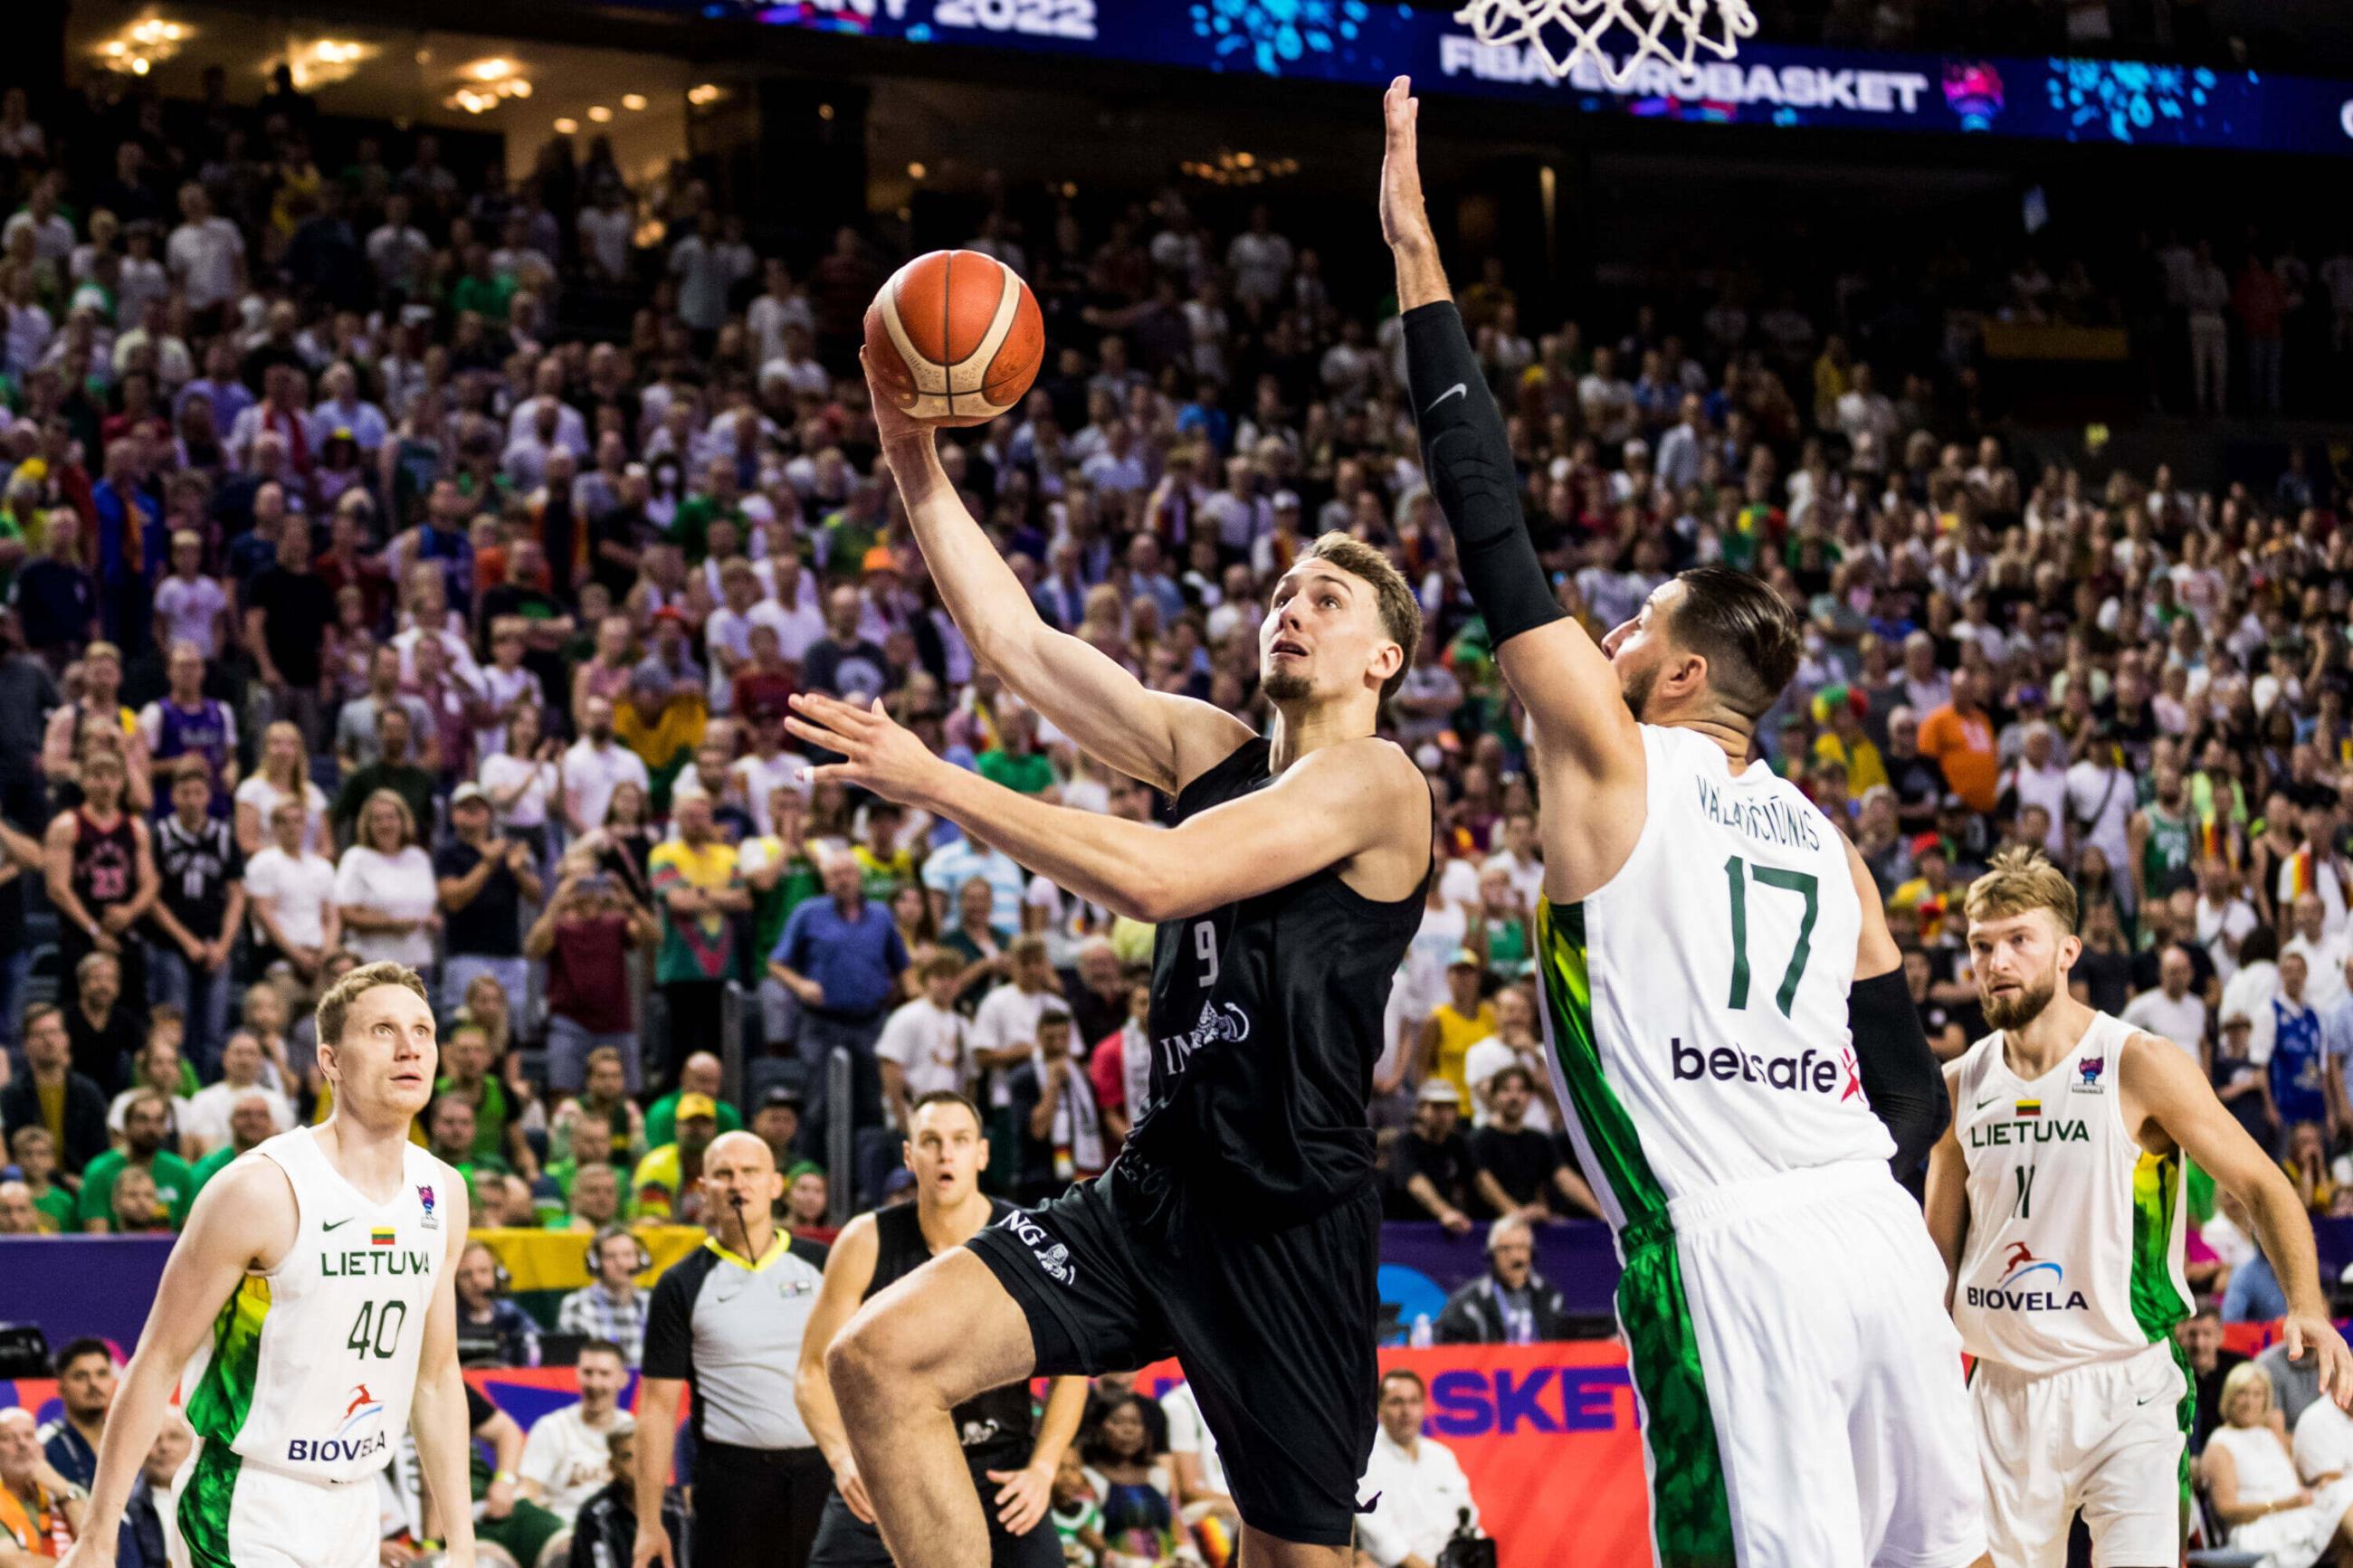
(374, 593)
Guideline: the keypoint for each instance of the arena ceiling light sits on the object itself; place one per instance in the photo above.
(322, 62)
(144, 44)
(486, 83)
(1233, 167)
(706, 93)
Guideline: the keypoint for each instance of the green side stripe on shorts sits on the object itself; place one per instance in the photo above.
(1690, 1515)
(205, 1505)
(2156, 1301)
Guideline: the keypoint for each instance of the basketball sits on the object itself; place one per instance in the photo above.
(955, 337)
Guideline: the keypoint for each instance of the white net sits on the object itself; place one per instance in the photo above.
(1560, 31)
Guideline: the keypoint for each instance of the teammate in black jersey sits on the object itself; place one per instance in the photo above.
(1239, 1228)
(1011, 1459)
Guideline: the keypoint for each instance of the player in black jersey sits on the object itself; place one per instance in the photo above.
(1011, 1459)
(1239, 1228)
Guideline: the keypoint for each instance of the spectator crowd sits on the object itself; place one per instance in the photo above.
(368, 600)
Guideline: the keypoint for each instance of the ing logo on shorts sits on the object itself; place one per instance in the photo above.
(1052, 1254)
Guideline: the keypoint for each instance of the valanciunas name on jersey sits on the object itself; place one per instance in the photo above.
(1768, 821)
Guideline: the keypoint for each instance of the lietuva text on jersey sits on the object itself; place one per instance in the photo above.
(1768, 821)
(361, 1262)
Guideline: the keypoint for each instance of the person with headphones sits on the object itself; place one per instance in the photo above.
(610, 1306)
(491, 1330)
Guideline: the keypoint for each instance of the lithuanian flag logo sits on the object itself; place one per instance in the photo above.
(2024, 1108)
(382, 1235)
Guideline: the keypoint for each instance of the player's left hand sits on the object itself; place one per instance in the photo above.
(2312, 1333)
(878, 753)
(1021, 1500)
(499, 1500)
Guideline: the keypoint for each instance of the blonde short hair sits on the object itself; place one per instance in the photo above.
(2020, 880)
(2238, 1378)
(336, 1004)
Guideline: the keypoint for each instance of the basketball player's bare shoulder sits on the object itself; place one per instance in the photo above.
(248, 1207)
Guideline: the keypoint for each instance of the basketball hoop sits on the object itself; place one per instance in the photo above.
(1670, 23)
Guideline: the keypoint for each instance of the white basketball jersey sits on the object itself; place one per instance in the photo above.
(2074, 1242)
(311, 1366)
(1695, 1005)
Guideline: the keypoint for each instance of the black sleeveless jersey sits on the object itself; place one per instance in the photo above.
(105, 862)
(1266, 1026)
(994, 1426)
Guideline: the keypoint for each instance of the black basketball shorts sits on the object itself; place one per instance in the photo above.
(1275, 1329)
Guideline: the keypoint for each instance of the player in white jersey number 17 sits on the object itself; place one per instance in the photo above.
(2056, 1198)
(307, 1315)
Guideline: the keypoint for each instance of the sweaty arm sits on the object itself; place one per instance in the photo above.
(1359, 797)
(438, 1419)
(1946, 1203)
(244, 1219)
(1161, 740)
(2165, 1091)
(849, 1271)
(1900, 1074)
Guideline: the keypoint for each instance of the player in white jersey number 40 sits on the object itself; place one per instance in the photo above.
(2055, 1197)
(308, 1315)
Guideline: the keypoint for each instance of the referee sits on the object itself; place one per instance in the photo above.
(728, 1322)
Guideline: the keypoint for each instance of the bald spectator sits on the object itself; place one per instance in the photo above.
(42, 1506)
(17, 1215)
(2172, 1011)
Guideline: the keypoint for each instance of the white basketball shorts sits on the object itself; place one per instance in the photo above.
(2107, 1439)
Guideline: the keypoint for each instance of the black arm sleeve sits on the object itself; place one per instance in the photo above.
(1469, 461)
(1900, 1074)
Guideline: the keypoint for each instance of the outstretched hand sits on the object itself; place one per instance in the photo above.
(1404, 218)
(877, 753)
(891, 421)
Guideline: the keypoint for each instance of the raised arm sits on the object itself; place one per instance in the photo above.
(1160, 739)
(1333, 805)
(1561, 677)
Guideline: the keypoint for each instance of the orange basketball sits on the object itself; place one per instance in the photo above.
(954, 338)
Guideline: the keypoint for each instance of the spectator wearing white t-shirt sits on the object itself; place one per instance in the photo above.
(205, 255)
(1199, 1474)
(2171, 1011)
(926, 1044)
(568, 1457)
(204, 1115)
(386, 889)
(191, 604)
(1004, 1028)
(595, 766)
(1418, 1490)
(289, 890)
(1517, 858)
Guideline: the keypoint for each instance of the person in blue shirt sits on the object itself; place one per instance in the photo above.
(842, 956)
(86, 1389)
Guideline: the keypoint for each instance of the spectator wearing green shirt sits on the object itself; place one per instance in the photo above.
(450, 1121)
(252, 1117)
(598, 1199)
(698, 1075)
(146, 1123)
(34, 1152)
(722, 497)
(486, 293)
(782, 875)
(498, 1129)
(1015, 761)
(595, 1131)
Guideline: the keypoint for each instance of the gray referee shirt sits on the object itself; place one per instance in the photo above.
(732, 1330)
